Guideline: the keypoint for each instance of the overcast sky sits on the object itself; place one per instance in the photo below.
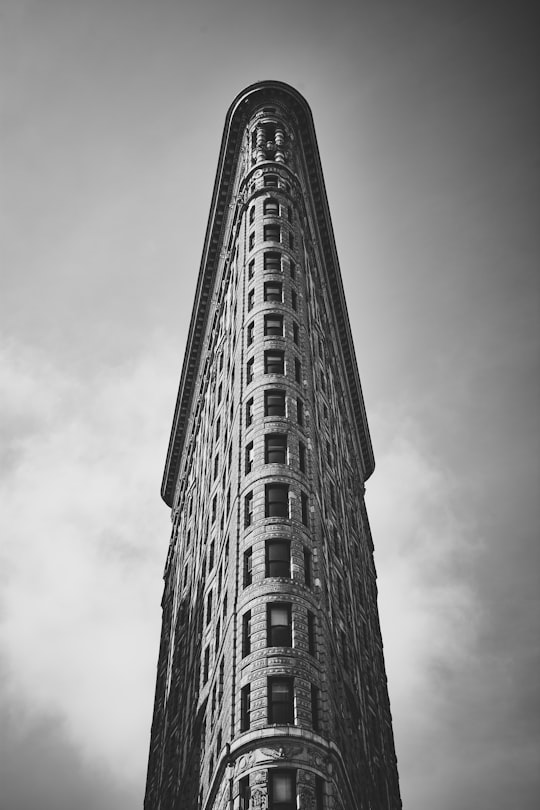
(426, 113)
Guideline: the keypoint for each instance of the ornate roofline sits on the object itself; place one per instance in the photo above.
(254, 96)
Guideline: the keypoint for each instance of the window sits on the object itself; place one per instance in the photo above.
(246, 634)
(296, 333)
(305, 508)
(250, 332)
(274, 362)
(248, 567)
(291, 241)
(249, 412)
(252, 215)
(300, 412)
(307, 567)
(319, 793)
(275, 448)
(289, 213)
(311, 632)
(248, 509)
(249, 370)
(245, 707)
(277, 500)
(270, 180)
(272, 262)
(280, 701)
(274, 403)
(314, 707)
(302, 456)
(297, 370)
(252, 240)
(294, 303)
(273, 291)
(271, 206)
(273, 325)
(249, 457)
(282, 789)
(251, 269)
(278, 558)
(245, 793)
(272, 233)
(292, 269)
(278, 625)
(251, 300)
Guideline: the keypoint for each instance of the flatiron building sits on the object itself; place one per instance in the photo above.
(271, 688)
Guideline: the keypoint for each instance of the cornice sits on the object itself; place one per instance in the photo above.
(242, 108)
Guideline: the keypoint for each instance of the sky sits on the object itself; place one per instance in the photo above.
(426, 113)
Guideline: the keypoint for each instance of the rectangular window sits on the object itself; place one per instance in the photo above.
(297, 370)
(319, 793)
(273, 291)
(249, 458)
(251, 300)
(305, 508)
(251, 269)
(274, 403)
(307, 567)
(252, 215)
(248, 567)
(278, 625)
(272, 233)
(271, 206)
(249, 412)
(246, 634)
(270, 181)
(300, 412)
(272, 262)
(289, 213)
(280, 701)
(277, 500)
(249, 370)
(275, 448)
(273, 325)
(314, 707)
(311, 632)
(245, 707)
(282, 789)
(248, 509)
(250, 332)
(294, 302)
(252, 241)
(302, 456)
(278, 558)
(296, 333)
(274, 362)
(291, 241)
(245, 793)
(292, 269)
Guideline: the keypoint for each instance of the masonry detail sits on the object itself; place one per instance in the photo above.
(271, 689)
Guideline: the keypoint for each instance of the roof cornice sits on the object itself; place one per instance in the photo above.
(243, 106)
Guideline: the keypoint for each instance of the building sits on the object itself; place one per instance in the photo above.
(271, 688)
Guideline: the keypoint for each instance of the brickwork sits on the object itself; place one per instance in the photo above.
(271, 690)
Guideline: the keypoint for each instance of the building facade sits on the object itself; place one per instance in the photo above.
(271, 688)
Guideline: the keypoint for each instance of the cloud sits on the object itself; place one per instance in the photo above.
(84, 536)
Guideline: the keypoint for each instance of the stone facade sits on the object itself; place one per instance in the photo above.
(271, 689)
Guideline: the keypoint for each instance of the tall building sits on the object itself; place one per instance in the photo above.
(271, 688)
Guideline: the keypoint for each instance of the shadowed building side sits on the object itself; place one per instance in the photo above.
(271, 688)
